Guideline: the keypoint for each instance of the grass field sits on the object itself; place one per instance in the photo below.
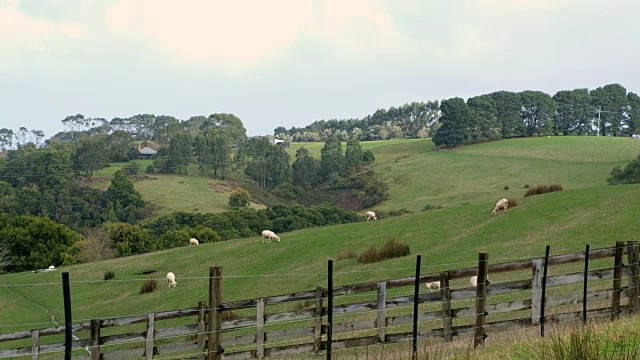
(566, 220)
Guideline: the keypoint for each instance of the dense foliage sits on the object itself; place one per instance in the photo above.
(630, 174)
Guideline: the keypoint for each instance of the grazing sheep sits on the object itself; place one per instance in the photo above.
(371, 215)
(434, 285)
(268, 234)
(171, 279)
(502, 204)
(193, 241)
(474, 281)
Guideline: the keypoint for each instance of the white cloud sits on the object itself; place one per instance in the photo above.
(23, 36)
(359, 30)
(232, 35)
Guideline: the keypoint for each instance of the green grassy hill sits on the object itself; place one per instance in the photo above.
(587, 212)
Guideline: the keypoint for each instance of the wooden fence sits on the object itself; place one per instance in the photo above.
(363, 314)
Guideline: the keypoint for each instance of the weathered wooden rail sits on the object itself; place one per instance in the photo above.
(450, 313)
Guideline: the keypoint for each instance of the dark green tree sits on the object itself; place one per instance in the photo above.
(537, 112)
(632, 120)
(611, 100)
(455, 119)
(508, 107)
(483, 125)
(574, 112)
(353, 154)
(305, 169)
(331, 158)
(126, 201)
(90, 155)
(180, 152)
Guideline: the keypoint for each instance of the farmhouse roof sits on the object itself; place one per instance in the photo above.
(147, 151)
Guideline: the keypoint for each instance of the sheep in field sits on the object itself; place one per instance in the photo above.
(474, 281)
(268, 234)
(434, 285)
(502, 204)
(171, 279)
(371, 215)
(193, 241)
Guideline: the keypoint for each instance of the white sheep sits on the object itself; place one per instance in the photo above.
(268, 234)
(474, 281)
(502, 204)
(371, 215)
(171, 279)
(193, 241)
(434, 285)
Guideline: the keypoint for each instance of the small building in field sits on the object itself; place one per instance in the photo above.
(284, 144)
(147, 153)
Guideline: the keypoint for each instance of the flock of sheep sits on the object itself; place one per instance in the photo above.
(268, 235)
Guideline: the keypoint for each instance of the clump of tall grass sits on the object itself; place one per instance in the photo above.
(393, 248)
(543, 189)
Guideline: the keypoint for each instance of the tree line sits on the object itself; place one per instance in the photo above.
(608, 111)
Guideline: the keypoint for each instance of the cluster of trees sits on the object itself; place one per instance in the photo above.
(9, 138)
(412, 120)
(608, 111)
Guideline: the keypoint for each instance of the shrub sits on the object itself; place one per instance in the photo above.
(512, 202)
(543, 189)
(399, 212)
(345, 254)
(131, 168)
(526, 186)
(108, 275)
(629, 175)
(506, 187)
(148, 286)
(239, 198)
(150, 169)
(430, 207)
(393, 248)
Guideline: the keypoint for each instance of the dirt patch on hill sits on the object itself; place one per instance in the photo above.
(218, 188)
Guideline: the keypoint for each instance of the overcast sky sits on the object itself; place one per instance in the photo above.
(290, 62)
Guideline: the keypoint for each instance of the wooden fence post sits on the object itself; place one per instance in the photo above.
(329, 308)
(634, 276)
(381, 321)
(447, 322)
(202, 337)
(95, 339)
(317, 344)
(215, 314)
(543, 300)
(150, 335)
(481, 300)
(617, 281)
(536, 291)
(35, 344)
(260, 328)
(585, 284)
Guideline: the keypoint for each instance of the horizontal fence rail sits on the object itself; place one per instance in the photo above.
(364, 314)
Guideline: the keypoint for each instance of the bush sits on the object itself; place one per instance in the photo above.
(131, 168)
(430, 207)
(345, 254)
(506, 187)
(239, 198)
(629, 175)
(148, 286)
(393, 248)
(526, 186)
(108, 275)
(150, 169)
(543, 189)
(400, 212)
(512, 202)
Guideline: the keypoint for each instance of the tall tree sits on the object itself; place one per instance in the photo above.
(455, 119)
(483, 124)
(126, 200)
(632, 120)
(611, 100)
(305, 169)
(508, 107)
(203, 153)
(353, 154)
(180, 152)
(574, 112)
(90, 154)
(331, 157)
(538, 109)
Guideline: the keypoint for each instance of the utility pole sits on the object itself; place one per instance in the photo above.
(598, 120)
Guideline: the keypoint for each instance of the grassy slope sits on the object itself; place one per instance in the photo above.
(176, 192)
(477, 174)
(566, 220)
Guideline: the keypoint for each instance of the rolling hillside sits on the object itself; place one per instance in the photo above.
(587, 212)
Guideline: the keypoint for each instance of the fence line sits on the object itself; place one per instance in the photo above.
(510, 305)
